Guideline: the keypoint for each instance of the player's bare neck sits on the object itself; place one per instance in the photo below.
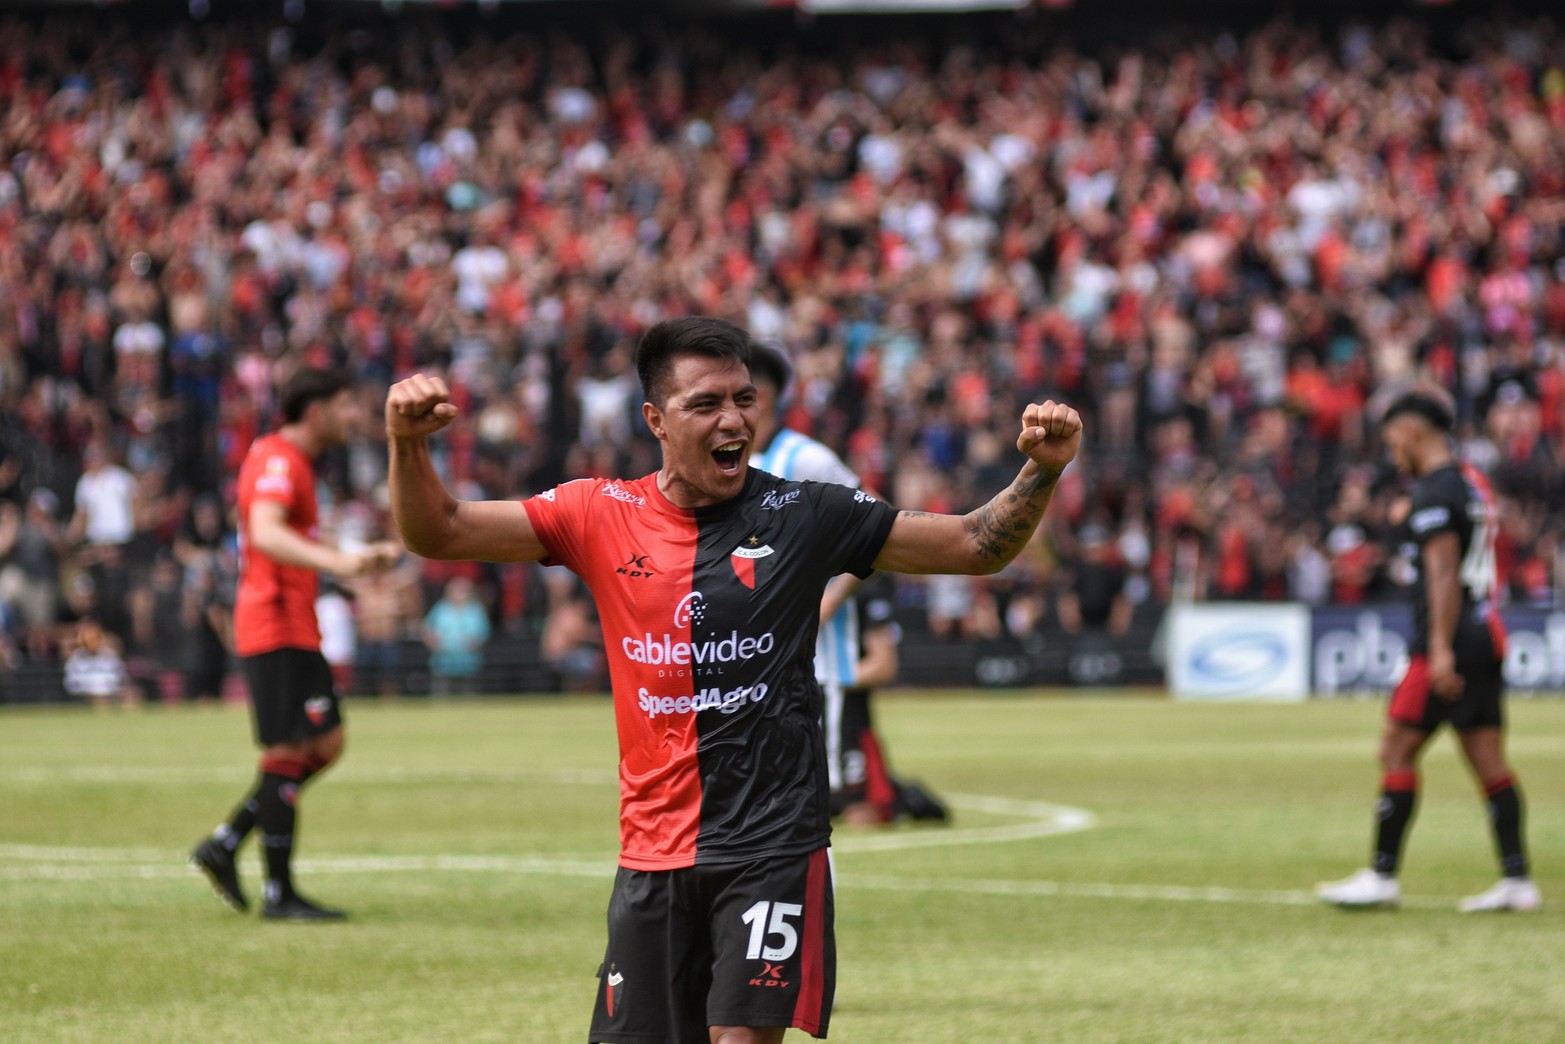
(301, 437)
(1435, 458)
(683, 494)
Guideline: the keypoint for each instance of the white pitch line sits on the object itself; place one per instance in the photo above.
(1042, 820)
(604, 869)
(347, 774)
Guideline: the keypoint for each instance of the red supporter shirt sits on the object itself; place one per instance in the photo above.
(275, 605)
(709, 620)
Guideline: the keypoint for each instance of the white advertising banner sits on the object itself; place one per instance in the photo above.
(1234, 651)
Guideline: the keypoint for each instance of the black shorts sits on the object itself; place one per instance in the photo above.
(733, 944)
(292, 695)
(1481, 704)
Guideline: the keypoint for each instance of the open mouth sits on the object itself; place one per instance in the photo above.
(728, 457)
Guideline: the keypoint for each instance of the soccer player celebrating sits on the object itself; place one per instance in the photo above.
(292, 696)
(1457, 650)
(708, 576)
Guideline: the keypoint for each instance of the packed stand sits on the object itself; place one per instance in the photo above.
(1217, 245)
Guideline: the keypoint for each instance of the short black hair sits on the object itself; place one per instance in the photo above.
(306, 385)
(1423, 405)
(770, 362)
(687, 335)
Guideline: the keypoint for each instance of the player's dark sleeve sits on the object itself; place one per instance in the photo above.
(1435, 508)
(853, 526)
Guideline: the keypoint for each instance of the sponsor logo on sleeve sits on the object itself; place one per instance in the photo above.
(275, 477)
(1429, 518)
(618, 492)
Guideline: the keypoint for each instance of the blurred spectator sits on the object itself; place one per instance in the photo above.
(105, 496)
(339, 633)
(94, 670)
(572, 641)
(386, 607)
(1094, 600)
(31, 545)
(159, 639)
(208, 550)
(455, 629)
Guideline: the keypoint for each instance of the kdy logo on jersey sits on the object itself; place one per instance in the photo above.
(773, 975)
(743, 559)
(637, 565)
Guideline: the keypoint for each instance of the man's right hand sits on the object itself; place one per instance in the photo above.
(372, 558)
(1443, 679)
(418, 407)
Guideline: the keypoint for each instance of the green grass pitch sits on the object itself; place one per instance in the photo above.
(1119, 869)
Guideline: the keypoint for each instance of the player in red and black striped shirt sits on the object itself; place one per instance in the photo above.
(292, 696)
(1457, 653)
(708, 577)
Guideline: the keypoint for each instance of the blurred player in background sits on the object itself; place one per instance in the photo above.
(869, 794)
(298, 722)
(1458, 649)
(708, 575)
(789, 454)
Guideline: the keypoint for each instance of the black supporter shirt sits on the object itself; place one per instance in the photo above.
(709, 620)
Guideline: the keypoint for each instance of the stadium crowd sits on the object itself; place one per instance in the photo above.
(1217, 245)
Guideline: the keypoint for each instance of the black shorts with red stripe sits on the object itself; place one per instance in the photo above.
(1482, 702)
(727, 944)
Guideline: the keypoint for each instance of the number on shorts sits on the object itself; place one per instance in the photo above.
(763, 928)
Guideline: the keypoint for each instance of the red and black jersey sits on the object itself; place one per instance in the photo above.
(274, 607)
(1456, 499)
(709, 620)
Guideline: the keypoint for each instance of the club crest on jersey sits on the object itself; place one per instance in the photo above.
(743, 559)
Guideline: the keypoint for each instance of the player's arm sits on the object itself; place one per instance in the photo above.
(271, 535)
(878, 665)
(432, 522)
(986, 540)
(1443, 585)
(838, 591)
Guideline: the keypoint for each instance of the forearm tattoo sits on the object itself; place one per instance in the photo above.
(1001, 528)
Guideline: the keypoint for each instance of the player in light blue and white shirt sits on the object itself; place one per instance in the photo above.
(788, 454)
